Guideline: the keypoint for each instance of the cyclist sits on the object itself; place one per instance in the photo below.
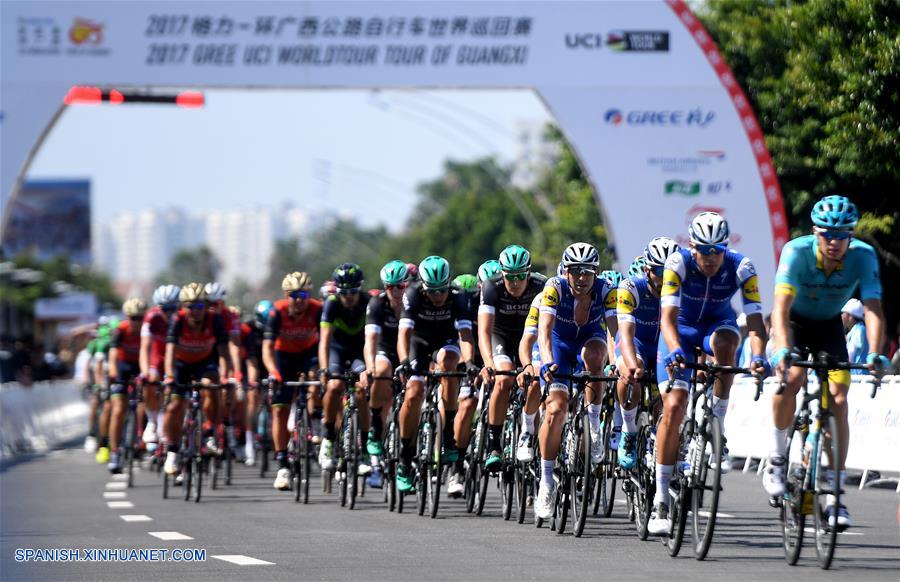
(816, 276)
(249, 371)
(572, 315)
(637, 310)
(468, 285)
(153, 353)
(100, 367)
(435, 325)
(342, 339)
(216, 293)
(505, 301)
(253, 344)
(698, 284)
(124, 367)
(195, 351)
(382, 321)
(289, 349)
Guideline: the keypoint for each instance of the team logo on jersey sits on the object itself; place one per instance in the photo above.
(610, 302)
(625, 302)
(751, 289)
(671, 284)
(551, 296)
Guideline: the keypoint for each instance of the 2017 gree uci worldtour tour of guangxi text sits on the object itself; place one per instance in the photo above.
(441, 290)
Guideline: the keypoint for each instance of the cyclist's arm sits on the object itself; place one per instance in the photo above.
(874, 325)
(485, 329)
(526, 344)
(546, 321)
(404, 336)
(325, 334)
(373, 333)
(268, 354)
(756, 329)
(170, 360)
(466, 344)
(252, 370)
(781, 315)
(668, 323)
(144, 357)
(114, 363)
(234, 353)
(670, 300)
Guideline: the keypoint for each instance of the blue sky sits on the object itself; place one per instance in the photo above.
(357, 152)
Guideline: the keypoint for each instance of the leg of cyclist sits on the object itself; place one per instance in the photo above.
(557, 406)
(282, 398)
(498, 407)
(119, 401)
(105, 414)
(211, 400)
(594, 355)
(380, 399)
(463, 429)
(674, 409)
(524, 450)
(447, 360)
(626, 445)
(409, 421)
(723, 341)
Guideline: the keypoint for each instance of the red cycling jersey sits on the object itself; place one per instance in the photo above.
(294, 335)
(128, 343)
(196, 345)
(156, 326)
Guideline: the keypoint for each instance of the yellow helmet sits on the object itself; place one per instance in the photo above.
(235, 310)
(296, 281)
(192, 292)
(134, 306)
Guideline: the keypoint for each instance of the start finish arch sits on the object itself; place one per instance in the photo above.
(640, 90)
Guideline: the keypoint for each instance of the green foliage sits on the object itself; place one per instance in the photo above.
(23, 295)
(192, 265)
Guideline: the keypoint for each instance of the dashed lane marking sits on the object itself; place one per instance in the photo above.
(119, 504)
(243, 560)
(133, 518)
(117, 485)
(114, 495)
(169, 535)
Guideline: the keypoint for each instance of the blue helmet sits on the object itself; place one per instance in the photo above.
(637, 267)
(612, 277)
(835, 212)
(262, 310)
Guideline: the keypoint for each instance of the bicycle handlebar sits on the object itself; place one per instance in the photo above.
(825, 362)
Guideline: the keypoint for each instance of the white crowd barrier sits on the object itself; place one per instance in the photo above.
(874, 422)
(40, 417)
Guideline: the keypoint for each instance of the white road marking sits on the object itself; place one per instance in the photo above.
(243, 560)
(120, 477)
(169, 535)
(114, 495)
(812, 531)
(620, 501)
(136, 518)
(718, 514)
(119, 504)
(117, 485)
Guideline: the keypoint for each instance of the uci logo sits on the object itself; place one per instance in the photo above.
(583, 40)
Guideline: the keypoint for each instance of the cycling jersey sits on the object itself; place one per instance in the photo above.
(705, 299)
(434, 327)
(381, 319)
(509, 312)
(294, 334)
(156, 326)
(533, 317)
(801, 274)
(192, 345)
(231, 321)
(128, 343)
(635, 303)
(558, 300)
(348, 322)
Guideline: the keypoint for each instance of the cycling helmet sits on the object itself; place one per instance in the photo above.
(192, 292)
(637, 267)
(581, 254)
(514, 259)
(262, 309)
(134, 307)
(296, 281)
(412, 271)
(348, 276)
(612, 277)
(835, 212)
(394, 273)
(215, 292)
(435, 272)
(466, 282)
(488, 270)
(166, 294)
(235, 310)
(113, 323)
(560, 270)
(328, 289)
(709, 228)
(658, 250)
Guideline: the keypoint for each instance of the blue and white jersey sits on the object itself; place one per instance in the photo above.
(636, 304)
(559, 300)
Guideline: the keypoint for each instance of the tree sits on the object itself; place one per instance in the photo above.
(192, 265)
(823, 79)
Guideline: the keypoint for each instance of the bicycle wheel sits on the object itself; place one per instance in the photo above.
(306, 456)
(581, 475)
(507, 473)
(264, 427)
(471, 476)
(423, 446)
(392, 448)
(522, 486)
(707, 485)
(434, 465)
(645, 488)
(482, 477)
(342, 458)
(229, 461)
(608, 476)
(351, 454)
(295, 461)
(827, 457)
(680, 494)
(130, 446)
(793, 516)
(165, 485)
(188, 442)
(561, 507)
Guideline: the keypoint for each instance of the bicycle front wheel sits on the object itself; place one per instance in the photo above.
(827, 457)
(707, 485)
(351, 453)
(434, 465)
(645, 488)
(581, 478)
(793, 515)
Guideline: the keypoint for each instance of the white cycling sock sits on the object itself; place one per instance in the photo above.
(547, 468)
(528, 422)
(628, 420)
(594, 416)
(152, 415)
(779, 442)
(663, 476)
(720, 407)
(617, 415)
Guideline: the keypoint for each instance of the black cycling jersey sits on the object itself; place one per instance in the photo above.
(349, 324)
(509, 312)
(382, 319)
(432, 322)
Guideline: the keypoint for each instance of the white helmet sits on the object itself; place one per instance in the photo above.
(659, 249)
(581, 254)
(709, 228)
(215, 291)
(166, 294)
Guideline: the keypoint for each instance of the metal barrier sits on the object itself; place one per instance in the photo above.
(40, 417)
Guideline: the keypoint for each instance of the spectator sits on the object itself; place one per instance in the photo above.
(853, 316)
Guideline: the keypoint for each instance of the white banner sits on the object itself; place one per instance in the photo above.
(75, 306)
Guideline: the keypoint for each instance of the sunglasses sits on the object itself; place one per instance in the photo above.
(831, 235)
(197, 306)
(437, 291)
(581, 271)
(707, 250)
(136, 318)
(401, 286)
(346, 292)
(515, 276)
(168, 308)
(299, 294)
(658, 271)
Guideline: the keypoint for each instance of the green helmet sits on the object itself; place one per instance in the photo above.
(394, 273)
(488, 270)
(466, 282)
(515, 259)
(434, 272)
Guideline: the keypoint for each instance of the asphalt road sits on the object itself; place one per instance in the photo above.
(60, 500)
